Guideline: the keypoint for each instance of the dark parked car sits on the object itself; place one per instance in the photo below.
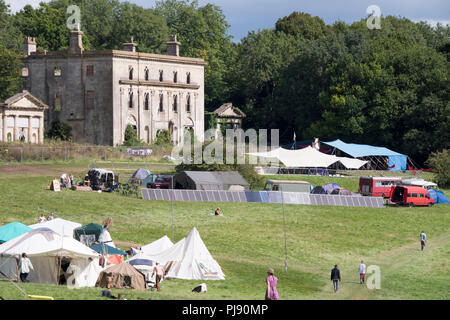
(342, 192)
(161, 182)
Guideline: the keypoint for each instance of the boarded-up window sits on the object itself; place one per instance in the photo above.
(58, 104)
(90, 99)
(10, 122)
(22, 122)
(89, 70)
(35, 122)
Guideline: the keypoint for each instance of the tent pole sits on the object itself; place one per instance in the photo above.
(171, 183)
(284, 225)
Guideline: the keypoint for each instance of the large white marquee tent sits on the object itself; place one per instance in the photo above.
(61, 226)
(44, 247)
(308, 158)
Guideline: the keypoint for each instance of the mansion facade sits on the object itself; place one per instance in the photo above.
(99, 93)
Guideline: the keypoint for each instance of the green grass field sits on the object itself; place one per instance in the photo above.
(249, 238)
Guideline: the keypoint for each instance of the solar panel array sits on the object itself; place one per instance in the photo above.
(262, 196)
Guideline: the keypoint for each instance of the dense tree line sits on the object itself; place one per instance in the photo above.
(387, 87)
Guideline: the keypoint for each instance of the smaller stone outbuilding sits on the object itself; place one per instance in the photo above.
(229, 115)
(22, 118)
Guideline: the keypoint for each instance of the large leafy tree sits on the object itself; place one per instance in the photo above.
(10, 46)
(300, 24)
(202, 31)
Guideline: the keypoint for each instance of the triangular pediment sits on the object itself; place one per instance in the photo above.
(24, 100)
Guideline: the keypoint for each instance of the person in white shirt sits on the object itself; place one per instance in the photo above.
(41, 218)
(25, 266)
(362, 272)
(423, 239)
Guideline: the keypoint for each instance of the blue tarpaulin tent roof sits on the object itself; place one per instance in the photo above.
(396, 161)
(100, 247)
(11, 230)
(438, 196)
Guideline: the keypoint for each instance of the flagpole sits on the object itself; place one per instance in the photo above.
(284, 226)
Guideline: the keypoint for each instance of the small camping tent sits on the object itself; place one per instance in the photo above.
(58, 225)
(46, 248)
(11, 230)
(318, 190)
(124, 276)
(91, 233)
(139, 176)
(438, 196)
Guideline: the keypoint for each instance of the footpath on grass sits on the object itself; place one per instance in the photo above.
(397, 261)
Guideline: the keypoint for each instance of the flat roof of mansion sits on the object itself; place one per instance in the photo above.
(118, 54)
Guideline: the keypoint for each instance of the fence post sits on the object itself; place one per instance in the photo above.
(21, 154)
(42, 154)
(84, 153)
(104, 151)
(65, 153)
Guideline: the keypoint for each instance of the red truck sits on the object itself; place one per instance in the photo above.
(411, 196)
(378, 186)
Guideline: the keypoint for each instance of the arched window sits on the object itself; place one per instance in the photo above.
(147, 74)
(161, 75)
(175, 76)
(188, 103)
(146, 101)
(131, 73)
(175, 103)
(188, 78)
(9, 137)
(161, 102)
(131, 99)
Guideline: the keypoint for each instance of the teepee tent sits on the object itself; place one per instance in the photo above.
(46, 248)
(11, 230)
(58, 225)
(157, 246)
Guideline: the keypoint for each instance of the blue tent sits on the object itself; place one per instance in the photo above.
(396, 161)
(318, 190)
(12, 230)
(100, 247)
(438, 196)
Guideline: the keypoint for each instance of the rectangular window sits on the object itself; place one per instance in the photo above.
(420, 195)
(414, 195)
(90, 99)
(90, 70)
(161, 102)
(22, 122)
(35, 122)
(58, 104)
(57, 72)
(10, 122)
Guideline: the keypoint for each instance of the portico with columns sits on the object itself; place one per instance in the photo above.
(22, 119)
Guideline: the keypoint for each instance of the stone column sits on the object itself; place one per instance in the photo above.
(15, 137)
(41, 130)
(29, 129)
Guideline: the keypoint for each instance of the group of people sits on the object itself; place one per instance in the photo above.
(66, 180)
(42, 217)
(271, 280)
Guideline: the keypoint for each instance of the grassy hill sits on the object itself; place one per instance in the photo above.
(249, 239)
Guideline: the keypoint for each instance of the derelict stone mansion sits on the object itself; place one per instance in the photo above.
(100, 93)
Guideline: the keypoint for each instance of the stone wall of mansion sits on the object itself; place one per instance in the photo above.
(100, 93)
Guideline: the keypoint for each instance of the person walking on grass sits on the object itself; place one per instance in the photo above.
(423, 239)
(271, 281)
(362, 272)
(335, 277)
(159, 270)
(25, 266)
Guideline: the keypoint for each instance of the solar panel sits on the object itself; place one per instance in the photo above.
(261, 196)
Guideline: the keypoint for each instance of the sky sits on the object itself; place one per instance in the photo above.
(244, 16)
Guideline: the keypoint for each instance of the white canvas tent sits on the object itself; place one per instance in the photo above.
(44, 246)
(188, 259)
(58, 225)
(308, 158)
(157, 246)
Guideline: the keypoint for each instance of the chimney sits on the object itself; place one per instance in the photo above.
(76, 41)
(29, 45)
(130, 46)
(173, 46)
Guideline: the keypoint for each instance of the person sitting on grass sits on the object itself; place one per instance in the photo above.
(217, 212)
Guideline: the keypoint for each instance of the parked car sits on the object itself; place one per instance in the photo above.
(161, 182)
(411, 196)
(342, 192)
(101, 179)
(378, 186)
